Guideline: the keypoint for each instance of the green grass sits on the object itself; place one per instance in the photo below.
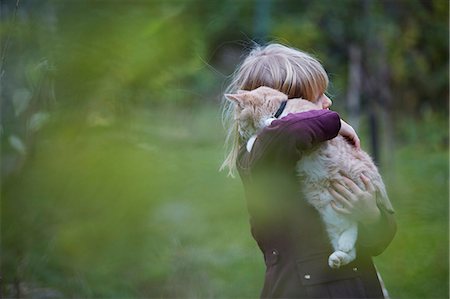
(137, 208)
(417, 262)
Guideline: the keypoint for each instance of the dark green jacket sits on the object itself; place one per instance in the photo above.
(289, 231)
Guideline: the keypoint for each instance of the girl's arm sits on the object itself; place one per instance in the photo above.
(375, 237)
(297, 132)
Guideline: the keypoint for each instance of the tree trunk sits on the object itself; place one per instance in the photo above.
(370, 78)
(378, 89)
(354, 85)
(386, 106)
(261, 21)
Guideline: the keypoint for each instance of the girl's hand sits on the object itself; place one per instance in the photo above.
(360, 205)
(349, 133)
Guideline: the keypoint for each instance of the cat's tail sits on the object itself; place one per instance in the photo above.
(382, 197)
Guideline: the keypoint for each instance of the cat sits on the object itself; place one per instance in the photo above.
(318, 168)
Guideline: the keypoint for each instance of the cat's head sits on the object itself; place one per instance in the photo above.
(301, 105)
(253, 108)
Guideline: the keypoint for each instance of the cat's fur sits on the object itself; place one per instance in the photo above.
(317, 169)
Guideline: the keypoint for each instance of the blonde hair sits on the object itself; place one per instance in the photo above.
(289, 70)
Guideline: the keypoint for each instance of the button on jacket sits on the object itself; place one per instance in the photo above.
(288, 230)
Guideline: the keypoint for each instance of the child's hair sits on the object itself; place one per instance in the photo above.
(289, 70)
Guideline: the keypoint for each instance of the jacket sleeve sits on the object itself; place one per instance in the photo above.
(302, 131)
(374, 239)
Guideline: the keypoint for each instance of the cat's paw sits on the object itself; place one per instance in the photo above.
(337, 259)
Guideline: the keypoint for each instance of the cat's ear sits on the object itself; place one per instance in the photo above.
(236, 98)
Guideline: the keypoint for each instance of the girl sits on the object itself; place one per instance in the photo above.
(288, 231)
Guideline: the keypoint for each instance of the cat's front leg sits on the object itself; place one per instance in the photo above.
(340, 258)
(345, 251)
(348, 238)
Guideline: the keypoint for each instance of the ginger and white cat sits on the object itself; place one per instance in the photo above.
(317, 169)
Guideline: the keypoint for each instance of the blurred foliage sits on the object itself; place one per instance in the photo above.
(125, 211)
(111, 140)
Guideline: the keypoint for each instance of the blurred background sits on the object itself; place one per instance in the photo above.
(111, 139)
